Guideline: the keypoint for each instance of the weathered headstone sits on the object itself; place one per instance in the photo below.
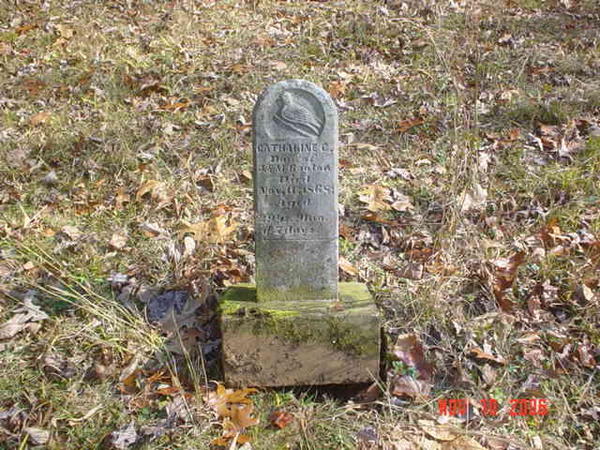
(297, 326)
(295, 193)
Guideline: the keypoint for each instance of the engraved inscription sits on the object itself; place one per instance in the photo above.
(295, 176)
(295, 192)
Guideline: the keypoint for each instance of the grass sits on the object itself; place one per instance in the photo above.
(164, 92)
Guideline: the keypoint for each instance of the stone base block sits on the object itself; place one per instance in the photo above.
(299, 343)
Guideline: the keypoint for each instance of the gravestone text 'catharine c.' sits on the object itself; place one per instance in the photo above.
(295, 193)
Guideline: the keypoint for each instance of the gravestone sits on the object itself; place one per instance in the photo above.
(295, 193)
(297, 325)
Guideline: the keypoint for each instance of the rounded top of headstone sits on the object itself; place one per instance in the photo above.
(294, 109)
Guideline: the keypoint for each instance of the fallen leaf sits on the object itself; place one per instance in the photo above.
(367, 437)
(405, 125)
(37, 436)
(189, 246)
(488, 374)
(535, 356)
(239, 68)
(64, 31)
(346, 232)
(337, 89)
(173, 310)
(280, 418)
(124, 437)
(362, 146)
(402, 203)
(586, 293)
(585, 355)
(278, 65)
(221, 399)
(217, 229)
(236, 410)
(179, 410)
(407, 386)
(376, 197)
(25, 28)
(374, 217)
(58, 367)
(246, 175)
(71, 232)
(121, 198)
(39, 118)
(370, 394)
(463, 443)
(411, 271)
(438, 432)
(475, 199)
(206, 181)
(152, 230)
(503, 278)
(5, 49)
(347, 267)
(130, 372)
(241, 416)
(478, 353)
(118, 240)
(409, 350)
(86, 416)
(33, 86)
(176, 105)
(155, 188)
(24, 316)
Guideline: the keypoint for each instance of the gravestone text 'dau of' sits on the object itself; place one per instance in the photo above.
(297, 325)
(295, 193)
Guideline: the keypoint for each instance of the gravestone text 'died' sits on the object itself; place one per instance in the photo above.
(295, 193)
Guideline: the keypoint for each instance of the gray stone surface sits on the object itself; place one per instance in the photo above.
(295, 193)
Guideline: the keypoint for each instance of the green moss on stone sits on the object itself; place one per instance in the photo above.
(351, 326)
(295, 294)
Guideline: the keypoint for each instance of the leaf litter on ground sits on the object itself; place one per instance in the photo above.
(26, 317)
(236, 409)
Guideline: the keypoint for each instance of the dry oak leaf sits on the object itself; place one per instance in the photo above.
(121, 197)
(407, 386)
(504, 277)
(157, 191)
(39, 118)
(231, 432)
(405, 125)
(280, 418)
(376, 197)
(438, 432)
(217, 229)
(463, 443)
(402, 203)
(486, 355)
(337, 89)
(236, 409)
(24, 318)
(347, 267)
(222, 399)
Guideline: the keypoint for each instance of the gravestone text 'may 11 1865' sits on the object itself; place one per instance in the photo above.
(295, 193)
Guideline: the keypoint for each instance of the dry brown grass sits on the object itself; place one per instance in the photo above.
(98, 98)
